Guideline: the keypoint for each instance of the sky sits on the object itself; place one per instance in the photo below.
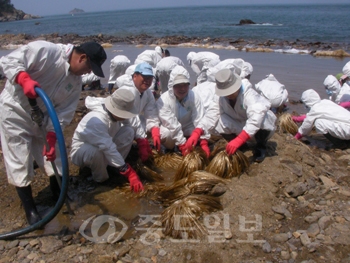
(54, 7)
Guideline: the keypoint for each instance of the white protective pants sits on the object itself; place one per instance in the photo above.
(90, 156)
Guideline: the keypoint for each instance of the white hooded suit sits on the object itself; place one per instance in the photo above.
(99, 141)
(326, 116)
(178, 120)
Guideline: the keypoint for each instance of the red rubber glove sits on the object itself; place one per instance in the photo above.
(27, 84)
(156, 138)
(193, 140)
(184, 150)
(205, 147)
(135, 183)
(298, 136)
(51, 141)
(298, 118)
(144, 149)
(345, 104)
(237, 142)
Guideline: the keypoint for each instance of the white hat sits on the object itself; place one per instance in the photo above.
(121, 104)
(180, 78)
(227, 82)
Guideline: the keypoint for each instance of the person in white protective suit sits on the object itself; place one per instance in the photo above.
(329, 119)
(117, 68)
(57, 70)
(340, 94)
(275, 92)
(206, 91)
(200, 62)
(181, 114)
(243, 113)
(147, 117)
(163, 70)
(152, 57)
(104, 137)
(91, 80)
(246, 70)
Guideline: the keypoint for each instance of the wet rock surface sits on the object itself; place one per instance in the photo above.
(10, 41)
(272, 213)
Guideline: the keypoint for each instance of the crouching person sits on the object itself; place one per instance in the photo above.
(181, 113)
(104, 137)
(243, 113)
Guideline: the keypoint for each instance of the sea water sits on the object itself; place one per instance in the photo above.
(325, 23)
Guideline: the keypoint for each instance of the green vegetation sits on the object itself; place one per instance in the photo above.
(6, 7)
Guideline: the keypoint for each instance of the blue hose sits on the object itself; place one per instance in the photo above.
(65, 174)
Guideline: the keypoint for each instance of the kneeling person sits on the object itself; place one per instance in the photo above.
(104, 137)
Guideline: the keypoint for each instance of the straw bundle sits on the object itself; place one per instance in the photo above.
(181, 219)
(331, 53)
(228, 166)
(194, 161)
(287, 124)
(198, 182)
(148, 173)
(168, 160)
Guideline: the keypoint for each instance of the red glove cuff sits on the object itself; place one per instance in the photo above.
(345, 104)
(244, 136)
(155, 132)
(198, 132)
(298, 118)
(51, 138)
(298, 136)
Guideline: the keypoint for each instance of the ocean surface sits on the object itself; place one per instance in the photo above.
(314, 23)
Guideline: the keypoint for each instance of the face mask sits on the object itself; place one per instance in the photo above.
(329, 92)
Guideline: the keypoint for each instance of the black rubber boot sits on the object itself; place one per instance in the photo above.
(260, 149)
(110, 88)
(25, 194)
(338, 143)
(55, 188)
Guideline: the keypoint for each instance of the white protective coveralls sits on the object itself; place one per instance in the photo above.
(247, 70)
(88, 78)
(180, 119)
(147, 109)
(99, 141)
(21, 138)
(346, 69)
(118, 66)
(273, 91)
(336, 92)
(326, 116)
(200, 62)
(152, 57)
(164, 68)
(251, 113)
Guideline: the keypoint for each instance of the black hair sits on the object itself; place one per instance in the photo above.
(166, 53)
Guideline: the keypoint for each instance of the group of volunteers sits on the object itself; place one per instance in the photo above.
(330, 117)
(152, 98)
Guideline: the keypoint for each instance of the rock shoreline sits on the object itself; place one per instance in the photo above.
(11, 41)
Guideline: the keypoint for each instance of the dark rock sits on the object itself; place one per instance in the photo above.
(246, 22)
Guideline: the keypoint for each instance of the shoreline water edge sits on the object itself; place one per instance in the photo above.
(12, 41)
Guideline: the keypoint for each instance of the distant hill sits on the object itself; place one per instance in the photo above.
(76, 11)
(9, 13)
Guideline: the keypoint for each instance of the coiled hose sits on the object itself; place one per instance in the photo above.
(65, 174)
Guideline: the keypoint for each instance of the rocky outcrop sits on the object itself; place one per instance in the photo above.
(16, 15)
(76, 11)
